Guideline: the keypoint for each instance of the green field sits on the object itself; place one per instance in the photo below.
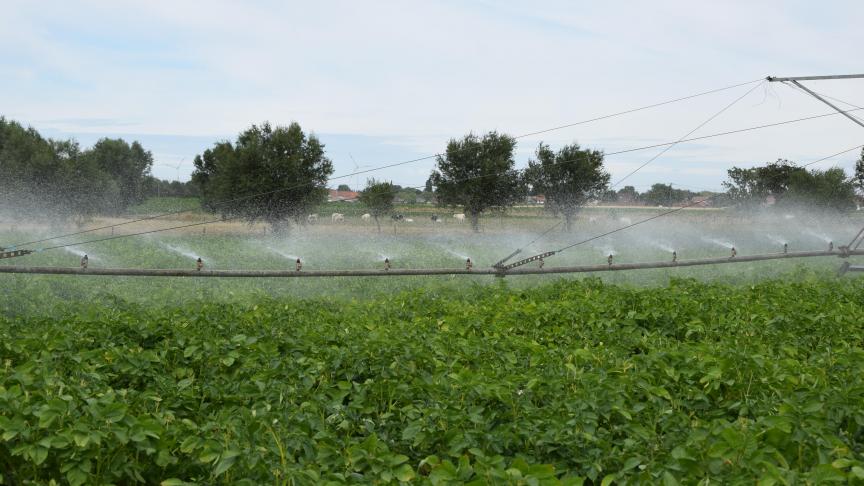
(737, 374)
(570, 382)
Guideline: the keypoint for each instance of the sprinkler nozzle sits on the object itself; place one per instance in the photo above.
(542, 262)
(386, 264)
(609, 259)
(298, 265)
(830, 246)
(674, 257)
(84, 262)
(785, 248)
(733, 252)
(199, 264)
(468, 264)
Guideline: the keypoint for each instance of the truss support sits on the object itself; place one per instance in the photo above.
(13, 254)
(795, 81)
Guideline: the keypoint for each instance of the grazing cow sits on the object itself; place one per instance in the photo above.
(366, 217)
(312, 218)
(397, 217)
(337, 217)
(459, 217)
(409, 220)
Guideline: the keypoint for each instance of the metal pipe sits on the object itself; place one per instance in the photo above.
(774, 79)
(823, 100)
(136, 272)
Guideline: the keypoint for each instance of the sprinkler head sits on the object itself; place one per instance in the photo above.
(386, 264)
(674, 257)
(785, 248)
(199, 264)
(468, 264)
(299, 265)
(733, 252)
(609, 259)
(542, 262)
(830, 246)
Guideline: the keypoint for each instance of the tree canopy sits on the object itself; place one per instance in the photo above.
(478, 174)
(378, 198)
(44, 176)
(274, 174)
(666, 195)
(789, 184)
(568, 178)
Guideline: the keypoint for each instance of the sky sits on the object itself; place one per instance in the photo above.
(389, 81)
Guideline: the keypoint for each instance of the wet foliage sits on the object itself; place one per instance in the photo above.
(580, 382)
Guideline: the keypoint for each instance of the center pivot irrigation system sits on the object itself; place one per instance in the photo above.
(501, 268)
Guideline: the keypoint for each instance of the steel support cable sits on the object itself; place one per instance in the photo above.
(671, 211)
(669, 147)
(656, 156)
(859, 237)
(801, 91)
(485, 175)
(428, 157)
(646, 147)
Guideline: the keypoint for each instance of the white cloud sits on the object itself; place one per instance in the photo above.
(419, 73)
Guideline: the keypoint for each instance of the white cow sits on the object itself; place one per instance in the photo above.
(409, 220)
(366, 217)
(459, 217)
(312, 218)
(337, 217)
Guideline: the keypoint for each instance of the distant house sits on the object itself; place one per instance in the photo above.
(701, 202)
(538, 199)
(335, 196)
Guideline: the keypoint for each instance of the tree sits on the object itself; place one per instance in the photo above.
(749, 187)
(428, 187)
(824, 189)
(478, 174)
(343, 187)
(790, 184)
(859, 172)
(666, 195)
(128, 165)
(568, 179)
(378, 197)
(273, 174)
(627, 195)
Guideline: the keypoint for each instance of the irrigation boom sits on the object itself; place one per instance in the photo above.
(394, 272)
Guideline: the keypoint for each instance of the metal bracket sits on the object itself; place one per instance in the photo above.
(527, 260)
(13, 254)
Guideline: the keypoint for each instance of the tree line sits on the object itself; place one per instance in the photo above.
(57, 177)
(279, 174)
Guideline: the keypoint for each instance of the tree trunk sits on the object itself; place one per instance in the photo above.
(475, 221)
(280, 227)
(568, 221)
(378, 223)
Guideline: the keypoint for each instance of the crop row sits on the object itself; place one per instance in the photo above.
(567, 383)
